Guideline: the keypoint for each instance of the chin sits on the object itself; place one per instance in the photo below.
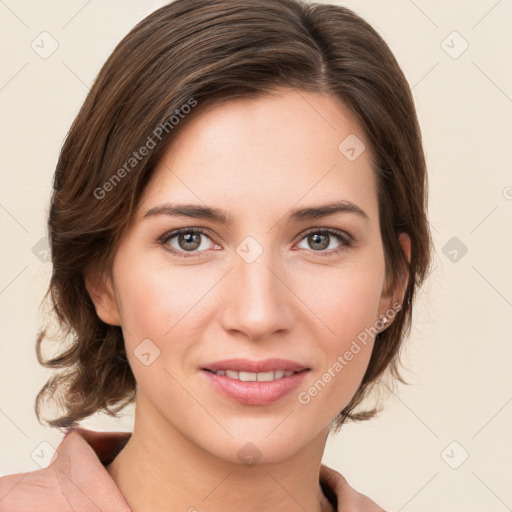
(264, 441)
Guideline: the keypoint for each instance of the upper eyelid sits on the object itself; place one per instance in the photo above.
(204, 231)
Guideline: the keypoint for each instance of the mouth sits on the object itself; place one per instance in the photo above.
(255, 376)
(255, 382)
(251, 366)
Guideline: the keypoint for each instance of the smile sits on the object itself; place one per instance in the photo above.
(255, 377)
(250, 388)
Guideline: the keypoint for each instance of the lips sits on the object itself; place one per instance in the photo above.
(251, 366)
(254, 382)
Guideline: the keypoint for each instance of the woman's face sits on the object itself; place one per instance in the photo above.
(278, 280)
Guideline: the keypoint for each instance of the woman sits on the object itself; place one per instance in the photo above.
(238, 229)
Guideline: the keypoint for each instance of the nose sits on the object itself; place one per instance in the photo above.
(259, 300)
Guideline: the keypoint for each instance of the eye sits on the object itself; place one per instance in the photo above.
(320, 239)
(189, 240)
(186, 240)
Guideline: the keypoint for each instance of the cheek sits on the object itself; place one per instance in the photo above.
(163, 304)
(345, 299)
(155, 304)
(167, 306)
(154, 299)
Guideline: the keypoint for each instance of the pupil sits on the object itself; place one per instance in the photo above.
(189, 239)
(316, 238)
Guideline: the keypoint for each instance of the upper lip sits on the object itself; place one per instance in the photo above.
(247, 365)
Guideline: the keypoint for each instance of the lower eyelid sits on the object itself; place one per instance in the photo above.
(170, 236)
(345, 239)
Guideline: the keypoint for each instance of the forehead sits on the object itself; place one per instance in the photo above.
(267, 153)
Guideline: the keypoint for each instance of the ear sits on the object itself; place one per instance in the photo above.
(392, 296)
(101, 290)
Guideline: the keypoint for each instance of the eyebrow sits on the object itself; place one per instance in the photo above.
(221, 217)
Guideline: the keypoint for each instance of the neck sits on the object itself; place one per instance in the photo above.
(160, 469)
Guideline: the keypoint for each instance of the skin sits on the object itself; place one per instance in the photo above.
(257, 159)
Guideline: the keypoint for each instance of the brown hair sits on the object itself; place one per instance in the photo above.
(182, 58)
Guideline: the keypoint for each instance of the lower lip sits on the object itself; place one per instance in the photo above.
(255, 393)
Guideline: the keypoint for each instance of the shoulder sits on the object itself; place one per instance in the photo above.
(76, 479)
(35, 490)
(346, 496)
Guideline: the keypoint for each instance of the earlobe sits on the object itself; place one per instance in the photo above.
(101, 291)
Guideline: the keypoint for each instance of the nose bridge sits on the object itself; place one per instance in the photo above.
(259, 299)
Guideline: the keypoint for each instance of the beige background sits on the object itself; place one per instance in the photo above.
(460, 350)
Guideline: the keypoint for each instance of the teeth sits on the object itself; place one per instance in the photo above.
(265, 376)
(255, 377)
(247, 376)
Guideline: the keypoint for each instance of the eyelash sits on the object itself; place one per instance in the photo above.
(348, 241)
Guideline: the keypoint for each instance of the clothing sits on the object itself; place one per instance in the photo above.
(77, 481)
